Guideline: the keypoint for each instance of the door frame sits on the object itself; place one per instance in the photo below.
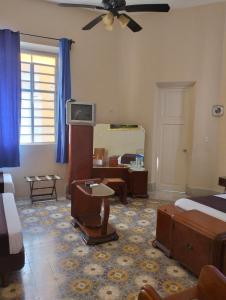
(155, 124)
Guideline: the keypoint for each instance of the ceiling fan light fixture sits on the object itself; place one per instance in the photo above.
(115, 8)
(123, 21)
(108, 19)
(109, 27)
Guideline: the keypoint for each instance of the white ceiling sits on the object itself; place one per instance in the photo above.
(172, 3)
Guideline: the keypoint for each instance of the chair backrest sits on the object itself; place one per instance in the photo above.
(211, 284)
(81, 203)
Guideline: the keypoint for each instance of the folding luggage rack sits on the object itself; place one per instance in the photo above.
(35, 183)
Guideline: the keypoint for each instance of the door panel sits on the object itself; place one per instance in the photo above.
(172, 106)
(172, 162)
(172, 145)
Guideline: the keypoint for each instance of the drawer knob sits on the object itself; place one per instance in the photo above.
(189, 247)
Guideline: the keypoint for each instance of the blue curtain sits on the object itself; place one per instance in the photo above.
(64, 94)
(10, 98)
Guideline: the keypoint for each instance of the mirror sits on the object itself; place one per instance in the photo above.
(112, 141)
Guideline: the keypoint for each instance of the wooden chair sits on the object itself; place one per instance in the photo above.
(80, 203)
(211, 286)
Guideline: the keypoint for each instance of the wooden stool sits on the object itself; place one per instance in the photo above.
(119, 186)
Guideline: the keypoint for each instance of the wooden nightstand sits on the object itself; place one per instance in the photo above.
(138, 183)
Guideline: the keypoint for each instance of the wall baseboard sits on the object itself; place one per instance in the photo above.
(151, 187)
(200, 191)
(192, 190)
(27, 200)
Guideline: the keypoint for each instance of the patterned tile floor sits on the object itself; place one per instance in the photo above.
(60, 266)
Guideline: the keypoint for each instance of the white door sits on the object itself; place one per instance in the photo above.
(172, 149)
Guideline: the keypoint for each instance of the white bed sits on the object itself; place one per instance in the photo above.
(187, 204)
(13, 223)
(8, 183)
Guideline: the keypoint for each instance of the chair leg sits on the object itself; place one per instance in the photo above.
(123, 195)
(5, 279)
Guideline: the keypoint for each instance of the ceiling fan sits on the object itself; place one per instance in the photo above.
(114, 8)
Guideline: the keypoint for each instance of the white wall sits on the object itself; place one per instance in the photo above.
(37, 160)
(182, 46)
(221, 143)
(93, 66)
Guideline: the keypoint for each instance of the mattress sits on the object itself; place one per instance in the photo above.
(11, 239)
(190, 204)
(6, 183)
(217, 202)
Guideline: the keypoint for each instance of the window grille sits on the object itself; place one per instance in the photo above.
(38, 95)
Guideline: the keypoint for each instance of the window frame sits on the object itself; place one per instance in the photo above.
(32, 51)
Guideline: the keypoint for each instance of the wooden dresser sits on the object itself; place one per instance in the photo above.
(191, 237)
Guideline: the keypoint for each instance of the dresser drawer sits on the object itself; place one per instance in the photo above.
(190, 248)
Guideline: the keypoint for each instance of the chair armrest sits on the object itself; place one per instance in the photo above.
(187, 294)
(211, 284)
(80, 181)
(148, 293)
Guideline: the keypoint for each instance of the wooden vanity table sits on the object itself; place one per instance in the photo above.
(136, 181)
(122, 145)
(86, 205)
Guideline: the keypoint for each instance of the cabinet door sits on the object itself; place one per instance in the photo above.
(190, 248)
(138, 183)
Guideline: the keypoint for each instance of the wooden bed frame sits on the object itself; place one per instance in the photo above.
(193, 238)
(15, 259)
(10, 263)
(6, 183)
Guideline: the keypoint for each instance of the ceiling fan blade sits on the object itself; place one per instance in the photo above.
(132, 25)
(147, 8)
(80, 5)
(94, 22)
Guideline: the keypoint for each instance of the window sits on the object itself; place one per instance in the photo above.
(38, 81)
